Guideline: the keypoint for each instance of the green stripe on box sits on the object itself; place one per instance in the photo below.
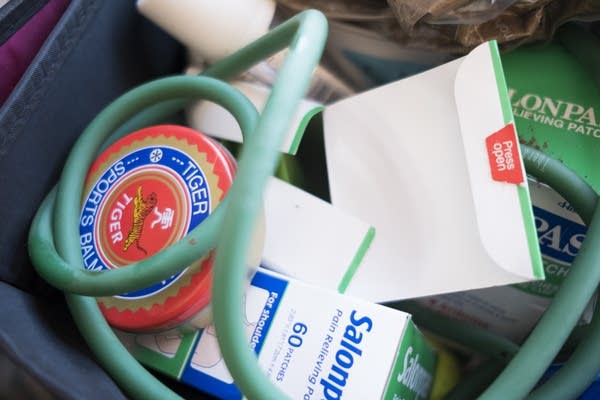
(532, 238)
(501, 83)
(522, 190)
(302, 128)
(360, 253)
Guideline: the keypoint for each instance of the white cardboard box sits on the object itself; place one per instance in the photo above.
(433, 163)
(416, 210)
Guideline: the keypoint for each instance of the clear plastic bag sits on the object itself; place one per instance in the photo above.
(453, 12)
(475, 12)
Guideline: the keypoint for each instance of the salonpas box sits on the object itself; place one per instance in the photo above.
(313, 343)
(556, 110)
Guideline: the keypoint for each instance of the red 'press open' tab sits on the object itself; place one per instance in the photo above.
(503, 155)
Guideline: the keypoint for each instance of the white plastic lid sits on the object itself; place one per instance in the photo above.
(212, 29)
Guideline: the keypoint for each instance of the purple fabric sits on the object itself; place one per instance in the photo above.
(17, 52)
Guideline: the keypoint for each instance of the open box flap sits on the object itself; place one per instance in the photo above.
(396, 160)
(495, 164)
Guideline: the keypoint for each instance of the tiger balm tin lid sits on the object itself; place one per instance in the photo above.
(143, 193)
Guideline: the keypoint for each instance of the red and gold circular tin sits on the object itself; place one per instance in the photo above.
(143, 193)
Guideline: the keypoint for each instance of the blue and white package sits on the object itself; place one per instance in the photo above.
(312, 342)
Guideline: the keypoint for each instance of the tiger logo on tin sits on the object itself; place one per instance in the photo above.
(138, 201)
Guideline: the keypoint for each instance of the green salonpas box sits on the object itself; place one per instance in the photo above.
(555, 102)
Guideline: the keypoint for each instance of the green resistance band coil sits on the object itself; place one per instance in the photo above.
(54, 240)
(54, 245)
